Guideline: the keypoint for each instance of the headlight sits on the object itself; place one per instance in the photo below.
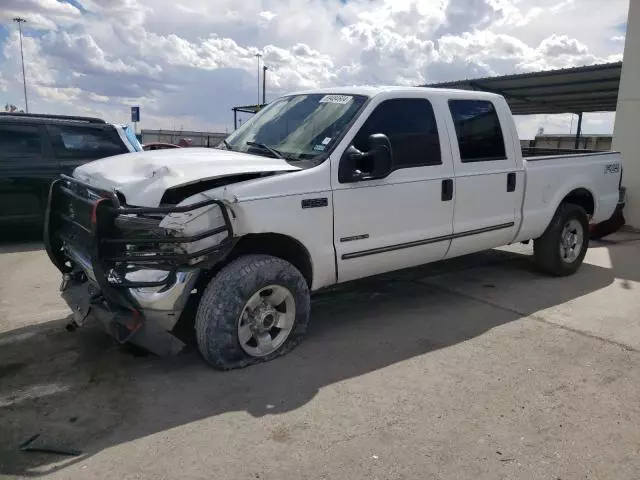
(190, 224)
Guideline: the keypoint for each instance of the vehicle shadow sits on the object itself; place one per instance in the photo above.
(79, 390)
(16, 240)
(624, 262)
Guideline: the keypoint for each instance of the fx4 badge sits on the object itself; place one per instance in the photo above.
(610, 168)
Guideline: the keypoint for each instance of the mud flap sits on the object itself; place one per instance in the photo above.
(609, 226)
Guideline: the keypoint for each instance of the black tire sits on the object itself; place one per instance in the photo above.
(224, 299)
(546, 249)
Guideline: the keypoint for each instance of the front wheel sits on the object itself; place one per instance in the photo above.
(562, 247)
(255, 309)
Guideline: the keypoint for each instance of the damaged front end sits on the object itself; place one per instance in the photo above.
(132, 268)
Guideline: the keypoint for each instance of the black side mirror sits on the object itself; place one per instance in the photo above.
(356, 166)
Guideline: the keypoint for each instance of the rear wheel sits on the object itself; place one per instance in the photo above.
(253, 310)
(562, 247)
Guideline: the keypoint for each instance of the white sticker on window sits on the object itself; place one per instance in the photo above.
(326, 141)
(319, 148)
(341, 99)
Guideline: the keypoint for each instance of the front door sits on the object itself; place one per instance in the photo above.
(489, 187)
(404, 219)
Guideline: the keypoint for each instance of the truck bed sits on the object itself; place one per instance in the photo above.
(595, 174)
(529, 152)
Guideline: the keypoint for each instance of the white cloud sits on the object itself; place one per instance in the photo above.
(557, 45)
(189, 62)
(40, 14)
(267, 15)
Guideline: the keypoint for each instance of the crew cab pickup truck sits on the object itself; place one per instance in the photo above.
(320, 187)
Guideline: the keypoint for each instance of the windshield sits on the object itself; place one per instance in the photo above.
(299, 127)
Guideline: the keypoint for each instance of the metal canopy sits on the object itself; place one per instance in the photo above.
(572, 90)
(253, 109)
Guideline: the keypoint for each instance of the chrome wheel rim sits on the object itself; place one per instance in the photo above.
(266, 320)
(571, 241)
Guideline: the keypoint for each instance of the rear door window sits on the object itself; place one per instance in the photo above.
(85, 142)
(20, 141)
(478, 130)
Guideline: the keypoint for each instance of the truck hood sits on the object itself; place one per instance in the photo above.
(143, 177)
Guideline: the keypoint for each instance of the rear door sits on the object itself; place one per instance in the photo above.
(27, 168)
(75, 145)
(489, 185)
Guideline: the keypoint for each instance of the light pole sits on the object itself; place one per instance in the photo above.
(258, 56)
(20, 21)
(264, 85)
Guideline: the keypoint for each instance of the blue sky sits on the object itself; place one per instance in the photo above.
(4, 33)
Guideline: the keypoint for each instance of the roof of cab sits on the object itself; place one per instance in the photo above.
(371, 91)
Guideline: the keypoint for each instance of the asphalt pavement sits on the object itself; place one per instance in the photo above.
(477, 368)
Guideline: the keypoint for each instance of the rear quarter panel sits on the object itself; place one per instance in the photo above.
(550, 179)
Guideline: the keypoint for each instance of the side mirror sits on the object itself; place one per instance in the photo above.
(356, 166)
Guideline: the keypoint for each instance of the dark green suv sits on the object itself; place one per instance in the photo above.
(35, 149)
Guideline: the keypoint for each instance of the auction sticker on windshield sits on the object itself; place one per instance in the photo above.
(341, 99)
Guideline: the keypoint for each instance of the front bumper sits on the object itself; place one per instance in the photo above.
(162, 304)
(123, 325)
(136, 282)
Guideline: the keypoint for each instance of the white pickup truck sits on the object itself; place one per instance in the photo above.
(320, 187)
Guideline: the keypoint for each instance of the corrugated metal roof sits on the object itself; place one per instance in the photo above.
(572, 90)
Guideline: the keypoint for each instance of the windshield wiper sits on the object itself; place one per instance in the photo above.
(227, 145)
(269, 149)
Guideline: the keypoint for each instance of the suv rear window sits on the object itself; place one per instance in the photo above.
(85, 142)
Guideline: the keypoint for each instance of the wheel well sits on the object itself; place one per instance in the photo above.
(277, 245)
(583, 198)
(274, 244)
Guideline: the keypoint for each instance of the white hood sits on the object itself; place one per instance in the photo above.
(143, 177)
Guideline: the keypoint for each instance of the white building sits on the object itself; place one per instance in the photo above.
(197, 139)
(627, 126)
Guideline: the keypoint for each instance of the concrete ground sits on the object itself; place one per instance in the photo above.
(475, 368)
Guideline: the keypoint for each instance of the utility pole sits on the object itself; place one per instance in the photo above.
(20, 21)
(258, 56)
(264, 85)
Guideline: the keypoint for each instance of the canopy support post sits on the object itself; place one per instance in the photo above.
(578, 131)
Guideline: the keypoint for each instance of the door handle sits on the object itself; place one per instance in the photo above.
(511, 182)
(447, 190)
